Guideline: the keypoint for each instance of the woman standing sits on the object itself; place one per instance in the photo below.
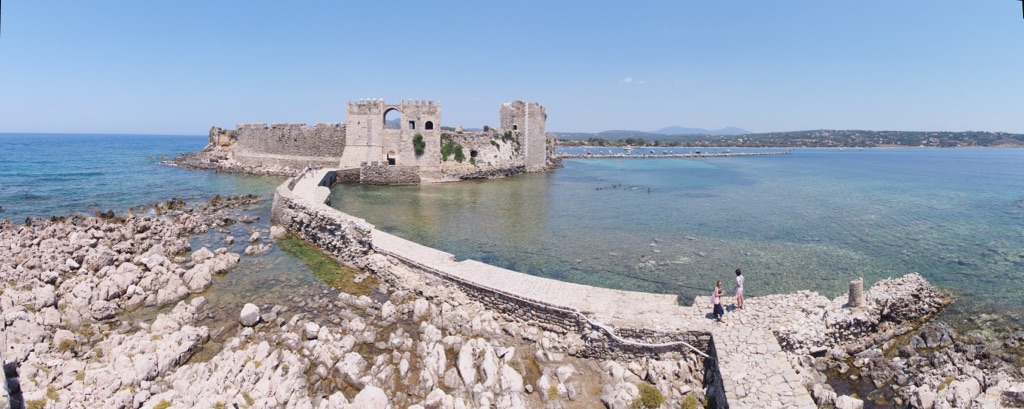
(716, 299)
(739, 289)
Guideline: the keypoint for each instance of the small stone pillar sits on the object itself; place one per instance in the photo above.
(856, 298)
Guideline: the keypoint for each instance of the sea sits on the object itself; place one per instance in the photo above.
(814, 219)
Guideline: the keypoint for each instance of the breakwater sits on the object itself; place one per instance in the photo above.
(663, 156)
(750, 364)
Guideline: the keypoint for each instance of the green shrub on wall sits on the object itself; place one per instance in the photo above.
(451, 148)
(418, 145)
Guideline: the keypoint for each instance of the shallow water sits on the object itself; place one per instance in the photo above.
(815, 220)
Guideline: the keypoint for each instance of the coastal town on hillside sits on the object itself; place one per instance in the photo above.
(821, 138)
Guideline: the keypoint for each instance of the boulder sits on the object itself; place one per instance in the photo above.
(420, 309)
(312, 330)
(849, 402)
(922, 398)
(198, 278)
(223, 262)
(371, 397)
(964, 392)
(466, 364)
(435, 400)
(250, 315)
(937, 335)
(102, 310)
(202, 255)
(277, 232)
(387, 310)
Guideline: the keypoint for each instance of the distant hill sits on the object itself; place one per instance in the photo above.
(679, 130)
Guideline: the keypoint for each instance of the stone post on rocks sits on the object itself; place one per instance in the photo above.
(856, 298)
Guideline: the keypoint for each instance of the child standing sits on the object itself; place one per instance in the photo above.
(739, 289)
(716, 299)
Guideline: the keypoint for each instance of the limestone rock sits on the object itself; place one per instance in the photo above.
(277, 232)
(250, 315)
(312, 330)
(198, 278)
(849, 402)
(371, 397)
(202, 255)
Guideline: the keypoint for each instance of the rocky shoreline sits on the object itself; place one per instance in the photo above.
(415, 341)
(221, 161)
(890, 346)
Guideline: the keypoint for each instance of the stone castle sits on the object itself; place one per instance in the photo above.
(402, 143)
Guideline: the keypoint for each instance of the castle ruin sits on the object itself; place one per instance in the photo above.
(402, 143)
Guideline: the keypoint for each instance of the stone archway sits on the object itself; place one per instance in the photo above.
(392, 119)
(392, 158)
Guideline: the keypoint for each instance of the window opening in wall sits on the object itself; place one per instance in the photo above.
(472, 154)
(412, 124)
(392, 119)
(515, 127)
(428, 125)
(391, 158)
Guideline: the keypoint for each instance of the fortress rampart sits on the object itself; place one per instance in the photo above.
(283, 145)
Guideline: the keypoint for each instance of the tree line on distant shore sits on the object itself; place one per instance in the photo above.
(823, 138)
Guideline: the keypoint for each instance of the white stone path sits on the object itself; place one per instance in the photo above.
(755, 371)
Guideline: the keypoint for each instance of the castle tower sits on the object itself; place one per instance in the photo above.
(370, 139)
(527, 120)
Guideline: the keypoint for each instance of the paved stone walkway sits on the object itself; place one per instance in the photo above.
(755, 371)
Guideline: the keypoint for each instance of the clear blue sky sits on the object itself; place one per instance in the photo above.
(179, 67)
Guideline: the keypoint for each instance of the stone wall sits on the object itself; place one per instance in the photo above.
(489, 154)
(288, 145)
(389, 175)
(345, 238)
(713, 385)
(5, 400)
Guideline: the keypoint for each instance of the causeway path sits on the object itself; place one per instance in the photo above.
(755, 370)
(663, 156)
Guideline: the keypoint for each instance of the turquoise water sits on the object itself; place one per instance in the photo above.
(815, 220)
(57, 174)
